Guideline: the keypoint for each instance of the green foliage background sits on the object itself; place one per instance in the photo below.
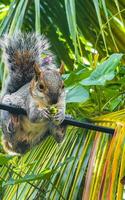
(89, 36)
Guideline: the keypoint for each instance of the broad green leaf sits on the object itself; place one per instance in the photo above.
(76, 77)
(104, 72)
(77, 94)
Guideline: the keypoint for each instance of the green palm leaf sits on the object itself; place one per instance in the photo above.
(87, 162)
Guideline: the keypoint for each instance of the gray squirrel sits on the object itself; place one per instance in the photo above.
(35, 84)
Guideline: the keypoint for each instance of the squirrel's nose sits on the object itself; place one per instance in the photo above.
(54, 98)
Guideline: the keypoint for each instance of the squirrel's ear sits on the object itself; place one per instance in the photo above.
(61, 69)
(37, 70)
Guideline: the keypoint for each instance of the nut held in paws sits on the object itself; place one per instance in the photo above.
(53, 110)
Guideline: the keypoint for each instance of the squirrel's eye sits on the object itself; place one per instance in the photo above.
(41, 87)
(62, 86)
(12, 69)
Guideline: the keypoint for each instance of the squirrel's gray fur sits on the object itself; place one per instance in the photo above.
(34, 84)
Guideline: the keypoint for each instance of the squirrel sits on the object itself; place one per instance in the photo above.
(35, 84)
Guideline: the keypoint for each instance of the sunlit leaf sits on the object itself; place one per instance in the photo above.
(104, 72)
(77, 94)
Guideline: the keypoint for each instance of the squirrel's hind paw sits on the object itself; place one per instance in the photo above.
(59, 133)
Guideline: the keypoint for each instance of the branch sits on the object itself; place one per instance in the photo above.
(67, 121)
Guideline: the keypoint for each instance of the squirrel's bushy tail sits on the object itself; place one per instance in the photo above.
(23, 50)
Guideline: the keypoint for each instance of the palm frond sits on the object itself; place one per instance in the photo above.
(87, 162)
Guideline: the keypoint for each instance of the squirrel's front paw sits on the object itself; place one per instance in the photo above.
(44, 113)
(7, 100)
(59, 133)
(38, 115)
(59, 117)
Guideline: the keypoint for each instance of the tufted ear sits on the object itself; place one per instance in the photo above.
(38, 71)
(61, 69)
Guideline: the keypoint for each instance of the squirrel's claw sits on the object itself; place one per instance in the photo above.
(45, 113)
(59, 117)
(38, 115)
